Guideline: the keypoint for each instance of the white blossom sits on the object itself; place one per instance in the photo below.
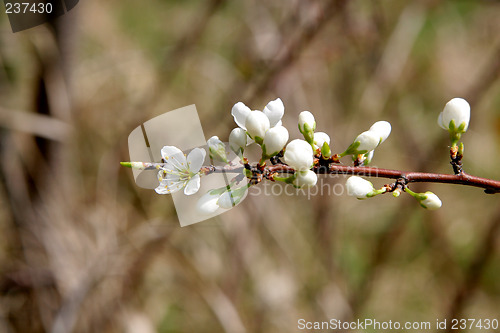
(180, 172)
(458, 111)
(306, 178)
(431, 201)
(299, 155)
(359, 187)
(273, 111)
(382, 129)
(238, 140)
(274, 141)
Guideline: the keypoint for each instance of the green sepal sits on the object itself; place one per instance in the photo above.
(325, 150)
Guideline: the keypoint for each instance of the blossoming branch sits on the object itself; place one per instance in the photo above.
(299, 161)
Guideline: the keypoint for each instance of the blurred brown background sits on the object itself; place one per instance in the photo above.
(83, 249)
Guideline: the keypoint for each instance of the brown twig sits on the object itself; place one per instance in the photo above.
(490, 186)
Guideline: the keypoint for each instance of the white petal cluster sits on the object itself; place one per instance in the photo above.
(359, 187)
(431, 201)
(299, 155)
(275, 139)
(256, 123)
(457, 111)
(180, 172)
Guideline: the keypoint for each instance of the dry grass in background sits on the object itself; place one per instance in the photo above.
(83, 249)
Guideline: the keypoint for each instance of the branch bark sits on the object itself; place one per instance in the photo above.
(490, 186)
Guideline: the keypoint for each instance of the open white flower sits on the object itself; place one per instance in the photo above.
(306, 178)
(430, 201)
(274, 141)
(299, 155)
(382, 129)
(455, 116)
(180, 172)
(359, 187)
(274, 111)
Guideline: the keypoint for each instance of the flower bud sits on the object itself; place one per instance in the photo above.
(238, 140)
(306, 178)
(320, 138)
(307, 126)
(217, 149)
(299, 155)
(382, 128)
(257, 125)
(274, 110)
(274, 141)
(430, 201)
(367, 141)
(359, 187)
(455, 116)
(207, 204)
(231, 198)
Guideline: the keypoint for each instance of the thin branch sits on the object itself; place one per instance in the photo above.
(490, 186)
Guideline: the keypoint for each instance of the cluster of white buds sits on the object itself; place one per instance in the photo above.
(302, 158)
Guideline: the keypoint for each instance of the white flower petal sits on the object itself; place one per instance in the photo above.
(169, 187)
(257, 124)
(275, 140)
(274, 110)
(195, 159)
(240, 112)
(174, 157)
(193, 185)
(440, 122)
